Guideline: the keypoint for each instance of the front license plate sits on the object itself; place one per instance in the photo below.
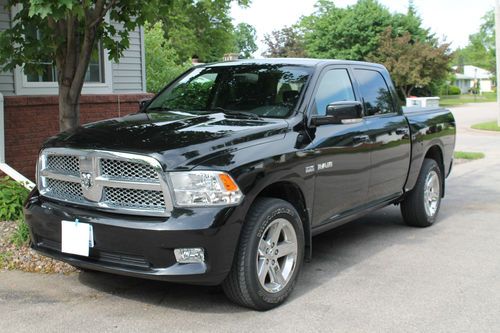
(76, 237)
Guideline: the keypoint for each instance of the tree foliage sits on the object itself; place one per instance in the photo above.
(369, 31)
(481, 50)
(411, 63)
(163, 64)
(411, 23)
(285, 43)
(353, 32)
(200, 27)
(244, 38)
(345, 33)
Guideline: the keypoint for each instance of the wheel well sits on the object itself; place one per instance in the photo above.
(291, 193)
(436, 154)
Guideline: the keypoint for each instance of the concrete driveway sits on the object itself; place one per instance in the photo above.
(372, 275)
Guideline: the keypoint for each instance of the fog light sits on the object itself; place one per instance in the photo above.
(189, 256)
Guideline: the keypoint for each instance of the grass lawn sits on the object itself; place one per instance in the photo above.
(468, 155)
(465, 99)
(487, 126)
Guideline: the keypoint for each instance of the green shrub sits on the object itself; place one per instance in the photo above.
(454, 90)
(12, 197)
(22, 235)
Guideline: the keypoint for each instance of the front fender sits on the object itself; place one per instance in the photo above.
(257, 167)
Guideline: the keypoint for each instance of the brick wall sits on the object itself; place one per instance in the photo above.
(30, 120)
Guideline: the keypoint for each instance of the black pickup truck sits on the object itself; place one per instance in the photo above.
(226, 175)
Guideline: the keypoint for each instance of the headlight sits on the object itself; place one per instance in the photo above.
(204, 188)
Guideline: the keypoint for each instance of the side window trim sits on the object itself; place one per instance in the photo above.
(324, 71)
(358, 88)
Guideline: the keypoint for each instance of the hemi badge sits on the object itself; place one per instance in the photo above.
(325, 165)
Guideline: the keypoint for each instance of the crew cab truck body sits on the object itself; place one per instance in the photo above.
(225, 176)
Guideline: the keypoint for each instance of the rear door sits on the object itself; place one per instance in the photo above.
(343, 159)
(388, 132)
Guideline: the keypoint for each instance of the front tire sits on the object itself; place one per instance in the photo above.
(269, 256)
(421, 206)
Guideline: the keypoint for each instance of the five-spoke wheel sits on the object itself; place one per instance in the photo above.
(277, 255)
(269, 255)
(421, 206)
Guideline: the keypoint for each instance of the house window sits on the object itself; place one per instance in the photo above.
(95, 72)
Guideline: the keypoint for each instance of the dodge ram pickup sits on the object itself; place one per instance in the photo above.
(225, 176)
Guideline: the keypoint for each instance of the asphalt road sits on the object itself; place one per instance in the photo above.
(372, 275)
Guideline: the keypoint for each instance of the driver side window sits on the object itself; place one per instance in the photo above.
(335, 86)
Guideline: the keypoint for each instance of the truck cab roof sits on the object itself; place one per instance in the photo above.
(307, 62)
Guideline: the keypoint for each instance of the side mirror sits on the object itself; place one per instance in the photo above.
(143, 103)
(340, 112)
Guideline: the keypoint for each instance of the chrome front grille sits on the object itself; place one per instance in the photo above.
(64, 190)
(64, 163)
(118, 182)
(128, 170)
(130, 198)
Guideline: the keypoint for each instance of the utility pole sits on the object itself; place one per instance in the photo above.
(497, 34)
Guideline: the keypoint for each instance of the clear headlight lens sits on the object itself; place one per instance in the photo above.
(204, 188)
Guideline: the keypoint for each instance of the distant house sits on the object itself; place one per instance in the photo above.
(31, 104)
(231, 56)
(466, 80)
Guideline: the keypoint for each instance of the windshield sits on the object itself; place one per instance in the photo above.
(262, 90)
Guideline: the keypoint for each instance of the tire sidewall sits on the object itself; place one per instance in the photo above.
(279, 210)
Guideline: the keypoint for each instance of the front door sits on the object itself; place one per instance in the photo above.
(342, 164)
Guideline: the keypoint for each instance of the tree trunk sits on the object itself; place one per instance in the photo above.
(72, 69)
(72, 61)
(407, 90)
(403, 91)
(69, 109)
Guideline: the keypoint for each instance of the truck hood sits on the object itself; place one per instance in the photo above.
(177, 139)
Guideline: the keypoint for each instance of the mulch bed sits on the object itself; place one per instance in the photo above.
(23, 258)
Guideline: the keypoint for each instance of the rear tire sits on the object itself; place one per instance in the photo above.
(421, 206)
(269, 256)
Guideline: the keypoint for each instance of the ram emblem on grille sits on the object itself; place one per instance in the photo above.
(86, 180)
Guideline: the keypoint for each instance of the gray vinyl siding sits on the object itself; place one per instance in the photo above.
(128, 73)
(6, 78)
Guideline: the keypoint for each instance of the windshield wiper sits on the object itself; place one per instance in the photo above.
(236, 113)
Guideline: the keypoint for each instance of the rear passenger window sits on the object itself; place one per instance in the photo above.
(376, 95)
(335, 86)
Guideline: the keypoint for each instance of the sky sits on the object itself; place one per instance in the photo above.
(454, 20)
